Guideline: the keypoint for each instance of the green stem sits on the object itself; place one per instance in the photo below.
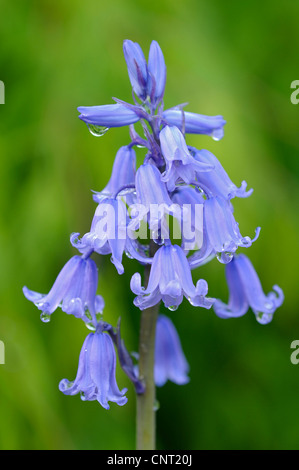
(146, 413)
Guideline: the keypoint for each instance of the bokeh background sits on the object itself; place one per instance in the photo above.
(232, 58)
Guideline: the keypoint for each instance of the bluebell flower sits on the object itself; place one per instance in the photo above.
(149, 187)
(108, 232)
(217, 181)
(170, 280)
(74, 291)
(174, 180)
(95, 378)
(170, 362)
(192, 123)
(245, 291)
(179, 162)
(108, 115)
(223, 230)
(123, 173)
(153, 200)
(156, 73)
(221, 234)
(137, 68)
(193, 236)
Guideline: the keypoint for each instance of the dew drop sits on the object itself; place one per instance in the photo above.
(217, 134)
(128, 255)
(173, 308)
(157, 238)
(156, 406)
(45, 317)
(82, 396)
(75, 239)
(97, 131)
(191, 301)
(224, 257)
(90, 326)
(264, 318)
(126, 191)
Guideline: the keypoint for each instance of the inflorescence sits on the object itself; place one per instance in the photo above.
(178, 183)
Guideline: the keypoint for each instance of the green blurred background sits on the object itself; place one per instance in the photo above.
(230, 58)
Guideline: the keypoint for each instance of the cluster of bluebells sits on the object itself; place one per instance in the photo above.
(176, 181)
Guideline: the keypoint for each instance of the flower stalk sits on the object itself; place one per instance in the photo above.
(146, 412)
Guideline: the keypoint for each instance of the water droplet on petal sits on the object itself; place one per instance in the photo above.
(45, 317)
(217, 134)
(224, 257)
(264, 318)
(126, 191)
(82, 396)
(97, 131)
(156, 406)
(159, 241)
(75, 239)
(157, 238)
(173, 308)
(128, 255)
(90, 326)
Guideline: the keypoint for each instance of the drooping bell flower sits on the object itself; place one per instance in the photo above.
(223, 230)
(95, 378)
(170, 280)
(153, 202)
(245, 291)
(170, 361)
(108, 232)
(122, 175)
(191, 225)
(74, 291)
(180, 165)
(217, 182)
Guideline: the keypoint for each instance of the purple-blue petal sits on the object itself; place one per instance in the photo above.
(109, 115)
(123, 171)
(149, 187)
(170, 361)
(193, 123)
(222, 228)
(245, 290)
(237, 303)
(137, 67)
(262, 305)
(95, 378)
(170, 280)
(157, 73)
(74, 290)
(217, 182)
